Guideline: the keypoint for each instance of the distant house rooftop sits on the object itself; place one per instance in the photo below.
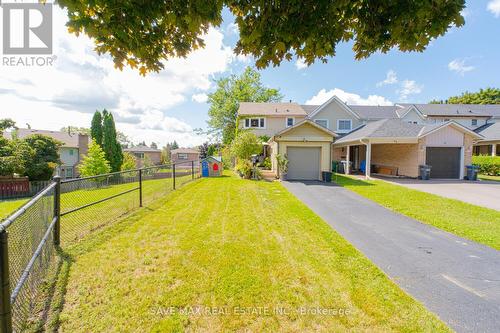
(141, 149)
(185, 151)
(68, 140)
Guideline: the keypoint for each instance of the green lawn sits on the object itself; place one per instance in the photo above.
(465, 220)
(486, 177)
(7, 207)
(225, 254)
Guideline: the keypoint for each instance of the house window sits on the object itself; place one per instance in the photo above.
(289, 122)
(255, 123)
(413, 122)
(139, 155)
(344, 125)
(474, 122)
(69, 172)
(322, 122)
(182, 156)
(71, 152)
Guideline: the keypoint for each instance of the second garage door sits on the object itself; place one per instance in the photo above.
(303, 163)
(444, 161)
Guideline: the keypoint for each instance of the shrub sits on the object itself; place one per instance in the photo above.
(282, 163)
(488, 165)
(266, 164)
(245, 145)
(244, 168)
(227, 158)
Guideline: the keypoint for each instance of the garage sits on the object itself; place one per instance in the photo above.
(445, 161)
(303, 163)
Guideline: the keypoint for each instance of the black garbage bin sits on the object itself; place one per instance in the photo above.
(327, 176)
(472, 172)
(424, 172)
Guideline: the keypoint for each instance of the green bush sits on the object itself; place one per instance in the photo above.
(244, 168)
(266, 164)
(488, 165)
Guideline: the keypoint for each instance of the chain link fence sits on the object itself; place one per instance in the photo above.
(62, 214)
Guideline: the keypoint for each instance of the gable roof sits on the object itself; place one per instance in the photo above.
(339, 102)
(397, 128)
(309, 108)
(184, 151)
(141, 149)
(490, 131)
(68, 140)
(270, 109)
(303, 122)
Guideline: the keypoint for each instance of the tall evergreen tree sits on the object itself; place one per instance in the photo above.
(110, 144)
(96, 128)
(175, 145)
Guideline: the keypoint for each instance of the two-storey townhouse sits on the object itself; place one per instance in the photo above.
(391, 140)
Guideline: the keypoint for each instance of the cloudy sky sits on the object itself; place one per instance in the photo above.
(169, 105)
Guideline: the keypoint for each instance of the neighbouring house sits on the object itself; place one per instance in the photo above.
(70, 153)
(142, 152)
(490, 144)
(390, 140)
(183, 155)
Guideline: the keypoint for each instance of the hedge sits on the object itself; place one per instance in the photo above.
(488, 165)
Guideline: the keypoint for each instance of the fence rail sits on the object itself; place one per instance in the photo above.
(60, 215)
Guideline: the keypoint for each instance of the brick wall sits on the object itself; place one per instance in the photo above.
(403, 156)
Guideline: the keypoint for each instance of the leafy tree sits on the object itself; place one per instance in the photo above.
(110, 144)
(6, 124)
(147, 162)
(232, 90)
(203, 149)
(212, 149)
(142, 34)
(245, 145)
(129, 162)
(483, 96)
(45, 158)
(14, 156)
(94, 163)
(96, 130)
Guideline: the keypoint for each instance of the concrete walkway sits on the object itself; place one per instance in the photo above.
(457, 279)
(480, 193)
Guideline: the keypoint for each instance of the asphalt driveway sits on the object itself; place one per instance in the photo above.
(457, 279)
(480, 193)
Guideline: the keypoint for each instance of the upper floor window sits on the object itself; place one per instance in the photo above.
(255, 122)
(322, 122)
(290, 121)
(344, 125)
(474, 122)
(182, 156)
(139, 155)
(71, 152)
(412, 122)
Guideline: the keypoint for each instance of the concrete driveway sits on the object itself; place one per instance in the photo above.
(480, 193)
(455, 278)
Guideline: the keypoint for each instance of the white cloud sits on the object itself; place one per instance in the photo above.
(200, 98)
(350, 98)
(409, 87)
(81, 82)
(494, 7)
(232, 29)
(391, 78)
(300, 64)
(459, 66)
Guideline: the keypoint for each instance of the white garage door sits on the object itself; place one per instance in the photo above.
(303, 163)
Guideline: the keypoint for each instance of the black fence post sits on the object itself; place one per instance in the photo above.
(140, 187)
(5, 306)
(57, 211)
(173, 174)
(192, 169)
